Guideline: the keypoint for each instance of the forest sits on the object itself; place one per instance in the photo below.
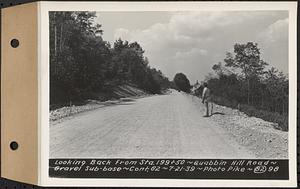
(243, 81)
(84, 66)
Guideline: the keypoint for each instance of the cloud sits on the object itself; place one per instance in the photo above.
(193, 23)
(276, 31)
(274, 40)
(192, 42)
(191, 53)
(121, 33)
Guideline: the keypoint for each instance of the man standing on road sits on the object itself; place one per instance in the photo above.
(206, 99)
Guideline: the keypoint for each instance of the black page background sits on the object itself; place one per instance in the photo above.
(8, 184)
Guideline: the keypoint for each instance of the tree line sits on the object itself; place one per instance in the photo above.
(83, 65)
(181, 83)
(243, 81)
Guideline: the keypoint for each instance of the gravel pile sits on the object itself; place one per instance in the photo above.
(71, 110)
(124, 93)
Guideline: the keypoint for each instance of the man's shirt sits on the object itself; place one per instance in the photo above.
(206, 93)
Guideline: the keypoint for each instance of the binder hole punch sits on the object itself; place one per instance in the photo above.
(14, 43)
(14, 145)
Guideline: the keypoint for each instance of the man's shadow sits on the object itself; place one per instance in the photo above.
(216, 113)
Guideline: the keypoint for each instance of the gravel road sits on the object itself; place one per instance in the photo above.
(160, 126)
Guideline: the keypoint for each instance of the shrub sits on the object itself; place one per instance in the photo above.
(281, 119)
(275, 117)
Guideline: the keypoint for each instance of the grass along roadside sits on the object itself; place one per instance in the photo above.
(281, 120)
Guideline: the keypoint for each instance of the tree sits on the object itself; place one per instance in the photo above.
(182, 82)
(247, 58)
(77, 55)
(249, 84)
(84, 66)
(277, 88)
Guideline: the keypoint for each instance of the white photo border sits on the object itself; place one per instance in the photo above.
(43, 119)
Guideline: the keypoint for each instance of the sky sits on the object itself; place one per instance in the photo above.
(192, 42)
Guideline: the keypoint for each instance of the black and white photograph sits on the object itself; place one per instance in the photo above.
(160, 87)
(169, 84)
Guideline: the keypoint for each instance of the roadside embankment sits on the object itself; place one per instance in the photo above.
(256, 134)
(123, 93)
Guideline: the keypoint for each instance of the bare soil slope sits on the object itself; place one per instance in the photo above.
(121, 94)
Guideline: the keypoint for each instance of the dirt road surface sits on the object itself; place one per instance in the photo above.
(160, 126)
(163, 126)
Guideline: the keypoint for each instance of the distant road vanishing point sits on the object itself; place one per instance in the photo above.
(159, 126)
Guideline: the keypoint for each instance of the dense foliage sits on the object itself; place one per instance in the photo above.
(182, 82)
(83, 65)
(245, 83)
